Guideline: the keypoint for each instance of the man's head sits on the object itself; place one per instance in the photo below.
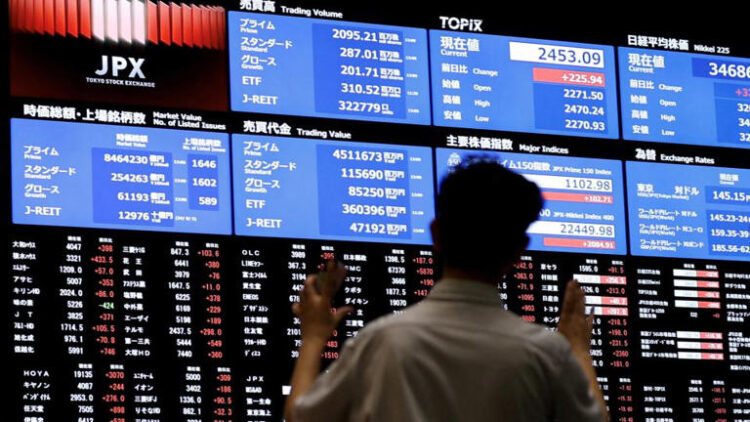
(483, 211)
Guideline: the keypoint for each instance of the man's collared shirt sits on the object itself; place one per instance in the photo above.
(455, 356)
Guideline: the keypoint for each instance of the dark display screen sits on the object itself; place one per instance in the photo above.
(175, 170)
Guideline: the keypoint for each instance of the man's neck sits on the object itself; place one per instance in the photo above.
(450, 272)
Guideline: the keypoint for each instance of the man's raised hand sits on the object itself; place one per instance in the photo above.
(317, 318)
(574, 324)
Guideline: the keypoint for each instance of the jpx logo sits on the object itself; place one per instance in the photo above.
(120, 64)
(461, 24)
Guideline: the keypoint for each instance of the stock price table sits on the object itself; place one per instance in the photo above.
(518, 84)
(91, 175)
(322, 68)
(685, 98)
(689, 211)
(119, 325)
(584, 199)
(309, 189)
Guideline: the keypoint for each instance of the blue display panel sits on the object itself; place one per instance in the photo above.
(687, 211)
(584, 207)
(120, 177)
(685, 98)
(311, 189)
(524, 85)
(324, 68)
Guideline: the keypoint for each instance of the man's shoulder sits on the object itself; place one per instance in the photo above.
(387, 328)
(382, 326)
(549, 343)
(510, 328)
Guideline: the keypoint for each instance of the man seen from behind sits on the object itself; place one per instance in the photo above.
(457, 355)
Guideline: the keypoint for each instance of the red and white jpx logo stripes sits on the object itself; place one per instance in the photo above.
(123, 21)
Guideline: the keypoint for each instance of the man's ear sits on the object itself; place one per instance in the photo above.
(436, 238)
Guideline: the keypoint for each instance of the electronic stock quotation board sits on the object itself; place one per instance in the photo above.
(175, 170)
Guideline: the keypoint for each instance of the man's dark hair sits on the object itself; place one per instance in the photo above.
(483, 211)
